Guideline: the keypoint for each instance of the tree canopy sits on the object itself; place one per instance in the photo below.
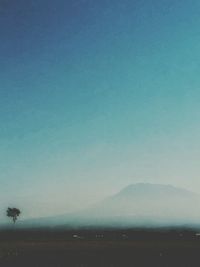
(13, 213)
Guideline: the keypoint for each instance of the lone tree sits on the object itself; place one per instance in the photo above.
(13, 213)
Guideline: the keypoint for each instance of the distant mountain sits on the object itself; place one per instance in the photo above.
(137, 204)
(153, 190)
(153, 201)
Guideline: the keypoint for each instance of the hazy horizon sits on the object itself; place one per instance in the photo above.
(139, 204)
(94, 96)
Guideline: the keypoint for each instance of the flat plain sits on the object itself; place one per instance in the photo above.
(100, 248)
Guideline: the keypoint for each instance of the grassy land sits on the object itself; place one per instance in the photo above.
(99, 248)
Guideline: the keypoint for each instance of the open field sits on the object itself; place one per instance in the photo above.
(99, 248)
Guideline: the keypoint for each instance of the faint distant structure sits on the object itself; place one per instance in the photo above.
(13, 213)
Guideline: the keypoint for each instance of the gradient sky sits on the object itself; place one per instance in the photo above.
(96, 95)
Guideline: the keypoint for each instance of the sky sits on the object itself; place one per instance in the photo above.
(94, 96)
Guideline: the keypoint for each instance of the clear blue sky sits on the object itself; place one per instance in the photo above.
(95, 95)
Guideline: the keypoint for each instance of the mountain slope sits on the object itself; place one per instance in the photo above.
(150, 200)
(136, 204)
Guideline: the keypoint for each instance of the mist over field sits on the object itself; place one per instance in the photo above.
(137, 205)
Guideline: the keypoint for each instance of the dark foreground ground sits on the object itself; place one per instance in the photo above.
(100, 248)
